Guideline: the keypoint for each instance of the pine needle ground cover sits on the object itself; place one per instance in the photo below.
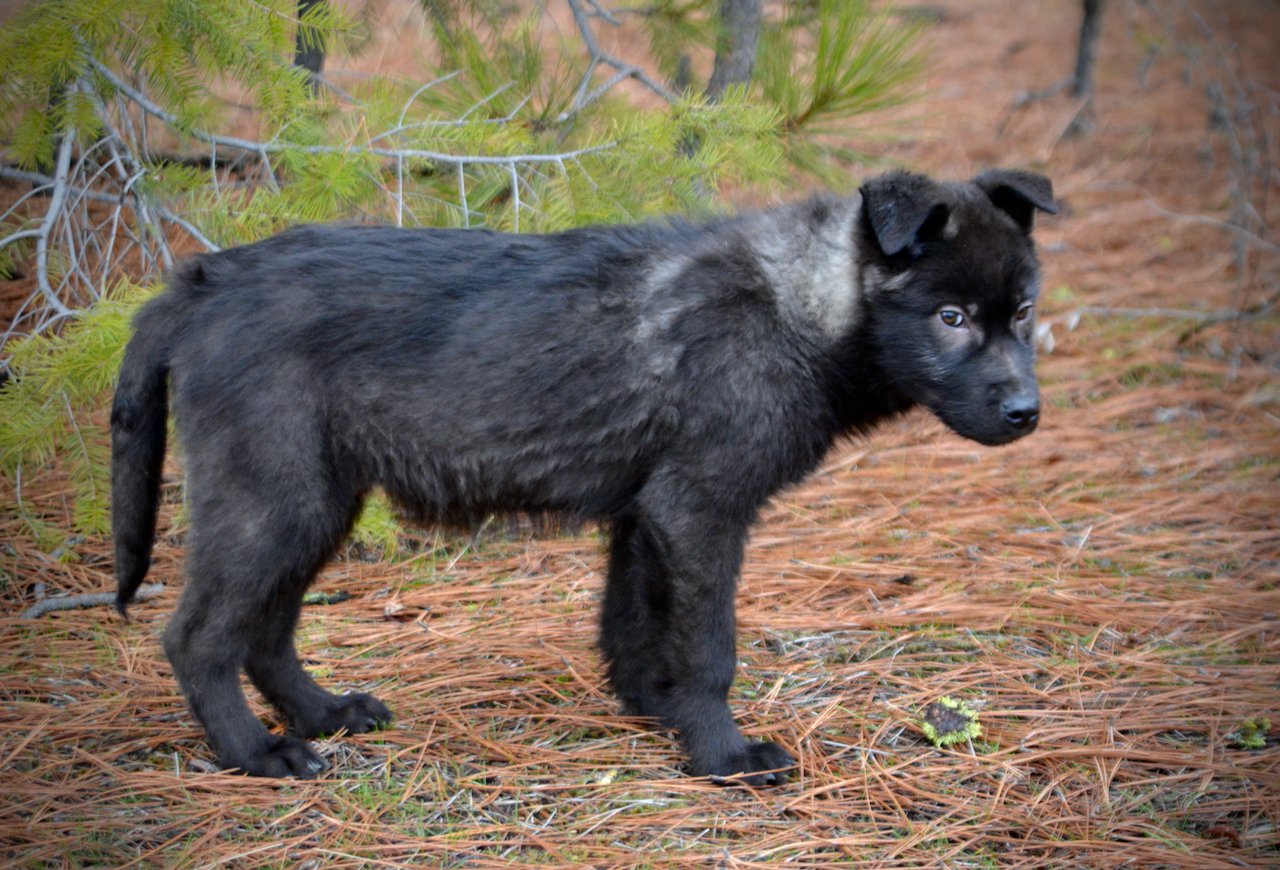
(1100, 599)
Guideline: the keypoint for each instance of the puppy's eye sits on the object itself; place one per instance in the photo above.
(1024, 311)
(951, 317)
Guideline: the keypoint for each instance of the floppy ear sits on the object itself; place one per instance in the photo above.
(1018, 193)
(904, 209)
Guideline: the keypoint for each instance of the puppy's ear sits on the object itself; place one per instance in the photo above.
(1018, 193)
(904, 209)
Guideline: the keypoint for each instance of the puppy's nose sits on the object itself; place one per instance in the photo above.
(1021, 412)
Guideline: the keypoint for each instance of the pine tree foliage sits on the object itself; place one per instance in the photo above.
(50, 410)
(118, 111)
(828, 61)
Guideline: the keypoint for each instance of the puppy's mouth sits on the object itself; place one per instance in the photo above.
(995, 425)
(999, 439)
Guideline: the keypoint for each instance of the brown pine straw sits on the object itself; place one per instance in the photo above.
(1106, 593)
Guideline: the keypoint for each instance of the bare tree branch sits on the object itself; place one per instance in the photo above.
(40, 180)
(625, 70)
(266, 148)
(56, 200)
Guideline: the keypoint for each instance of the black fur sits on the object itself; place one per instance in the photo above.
(665, 379)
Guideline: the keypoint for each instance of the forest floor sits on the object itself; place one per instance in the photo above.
(1105, 594)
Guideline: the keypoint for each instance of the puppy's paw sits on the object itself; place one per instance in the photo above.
(755, 764)
(280, 756)
(355, 713)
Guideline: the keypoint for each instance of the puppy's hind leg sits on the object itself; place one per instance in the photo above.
(273, 666)
(307, 537)
(228, 591)
(252, 557)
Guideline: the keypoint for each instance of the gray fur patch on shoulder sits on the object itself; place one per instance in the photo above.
(656, 311)
(655, 307)
(808, 252)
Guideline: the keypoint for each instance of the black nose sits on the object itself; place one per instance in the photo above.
(1021, 412)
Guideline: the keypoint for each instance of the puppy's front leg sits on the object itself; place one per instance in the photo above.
(700, 550)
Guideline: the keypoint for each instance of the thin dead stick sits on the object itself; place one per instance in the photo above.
(91, 599)
(1173, 313)
(1242, 233)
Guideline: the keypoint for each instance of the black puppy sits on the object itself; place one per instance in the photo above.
(666, 379)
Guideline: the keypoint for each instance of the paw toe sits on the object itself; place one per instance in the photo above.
(756, 764)
(360, 713)
(355, 714)
(282, 757)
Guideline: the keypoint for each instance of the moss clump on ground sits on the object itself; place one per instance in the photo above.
(1252, 733)
(947, 721)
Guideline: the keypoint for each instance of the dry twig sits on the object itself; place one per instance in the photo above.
(92, 599)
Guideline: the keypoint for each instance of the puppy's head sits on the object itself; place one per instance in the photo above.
(949, 285)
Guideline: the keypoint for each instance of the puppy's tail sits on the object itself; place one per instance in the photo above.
(139, 417)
